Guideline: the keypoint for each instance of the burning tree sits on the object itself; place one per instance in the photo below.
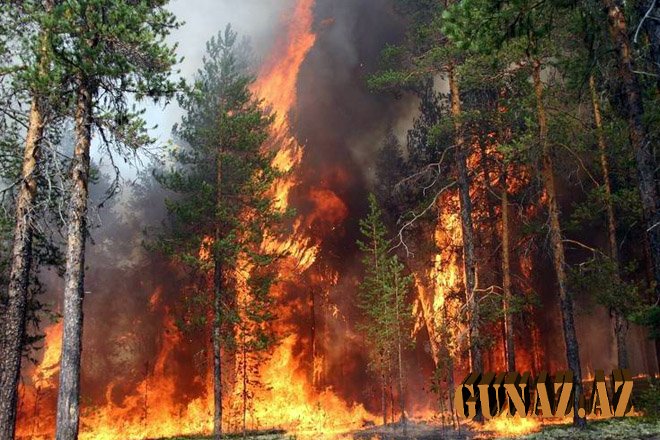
(443, 160)
(224, 207)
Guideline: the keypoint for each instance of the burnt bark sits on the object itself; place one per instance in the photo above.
(639, 140)
(68, 409)
(618, 320)
(556, 242)
(467, 227)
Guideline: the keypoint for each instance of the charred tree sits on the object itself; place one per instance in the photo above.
(556, 241)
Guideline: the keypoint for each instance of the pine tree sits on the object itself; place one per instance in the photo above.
(487, 26)
(382, 298)
(223, 177)
(411, 67)
(28, 75)
(109, 51)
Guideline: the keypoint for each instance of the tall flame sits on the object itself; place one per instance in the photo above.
(287, 398)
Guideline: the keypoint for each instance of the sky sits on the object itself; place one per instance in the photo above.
(257, 19)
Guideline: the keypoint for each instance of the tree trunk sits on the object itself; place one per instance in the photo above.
(13, 327)
(451, 390)
(245, 385)
(402, 402)
(217, 309)
(652, 28)
(383, 388)
(217, 365)
(391, 390)
(559, 261)
(618, 320)
(21, 260)
(449, 369)
(506, 282)
(639, 140)
(68, 410)
(467, 228)
(503, 135)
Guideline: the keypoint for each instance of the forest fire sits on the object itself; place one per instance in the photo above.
(288, 396)
(287, 399)
(485, 281)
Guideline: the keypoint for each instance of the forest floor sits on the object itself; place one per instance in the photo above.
(614, 429)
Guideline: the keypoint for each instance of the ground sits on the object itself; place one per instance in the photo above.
(619, 429)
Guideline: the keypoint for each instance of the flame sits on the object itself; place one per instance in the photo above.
(41, 386)
(276, 85)
(293, 403)
(154, 408)
(278, 78)
(511, 426)
(435, 302)
(50, 363)
(288, 399)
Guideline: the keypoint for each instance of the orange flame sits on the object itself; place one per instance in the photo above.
(511, 426)
(287, 398)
